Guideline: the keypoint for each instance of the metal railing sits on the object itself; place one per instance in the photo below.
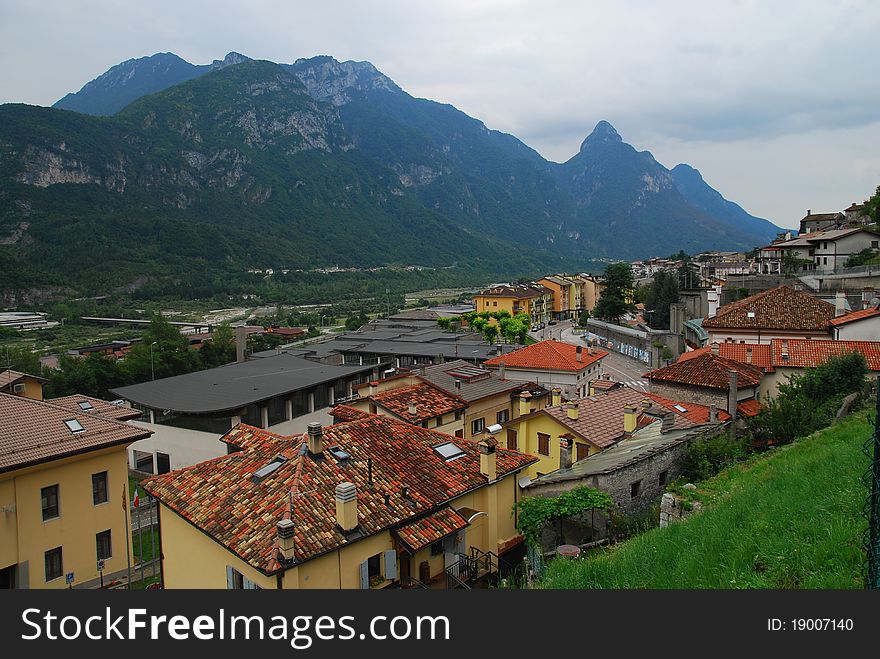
(410, 582)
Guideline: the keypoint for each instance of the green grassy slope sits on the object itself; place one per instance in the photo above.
(788, 520)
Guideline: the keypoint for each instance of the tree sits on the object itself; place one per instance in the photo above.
(220, 349)
(170, 353)
(791, 264)
(663, 292)
(872, 206)
(616, 299)
(583, 318)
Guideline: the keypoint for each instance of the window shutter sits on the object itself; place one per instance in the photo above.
(391, 565)
(365, 576)
(248, 584)
(230, 578)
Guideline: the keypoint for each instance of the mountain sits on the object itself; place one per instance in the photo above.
(126, 82)
(702, 196)
(316, 163)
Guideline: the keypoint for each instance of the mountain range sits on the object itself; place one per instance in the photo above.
(161, 168)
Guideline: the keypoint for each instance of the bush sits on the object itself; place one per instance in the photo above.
(706, 457)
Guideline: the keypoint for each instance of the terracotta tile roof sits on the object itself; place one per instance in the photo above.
(600, 418)
(430, 402)
(707, 370)
(806, 353)
(33, 431)
(428, 530)
(748, 407)
(780, 308)
(548, 356)
(99, 407)
(854, 316)
(740, 352)
(345, 413)
(690, 354)
(604, 385)
(9, 377)
(221, 498)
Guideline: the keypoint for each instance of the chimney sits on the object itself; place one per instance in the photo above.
(840, 304)
(555, 396)
(286, 542)
(629, 418)
(524, 404)
(458, 385)
(346, 506)
(579, 353)
(315, 438)
(565, 445)
(713, 413)
(785, 349)
(715, 348)
(487, 458)
(748, 354)
(668, 422)
(501, 370)
(572, 411)
(240, 343)
(412, 409)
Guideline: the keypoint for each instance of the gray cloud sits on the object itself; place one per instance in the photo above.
(778, 102)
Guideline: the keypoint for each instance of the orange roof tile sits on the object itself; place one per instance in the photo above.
(103, 408)
(760, 353)
(806, 353)
(698, 414)
(748, 407)
(690, 354)
(221, 497)
(429, 402)
(345, 413)
(548, 356)
(707, 370)
(854, 316)
(428, 530)
(780, 308)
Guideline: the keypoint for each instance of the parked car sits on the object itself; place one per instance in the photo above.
(552, 322)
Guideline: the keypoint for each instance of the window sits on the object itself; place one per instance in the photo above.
(543, 444)
(99, 488)
(437, 548)
(163, 463)
(102, 545)
(511, 439)
(85, 406)
(502, 416)
(49, 497)
(663, 476)
(583, 451)
(478, 425)
(458, 414)
(875, 244)
(74, 426)
(235, 580)
(448, 451)
(54, 566)
(635, 489)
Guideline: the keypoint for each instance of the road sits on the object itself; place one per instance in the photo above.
(620, 367)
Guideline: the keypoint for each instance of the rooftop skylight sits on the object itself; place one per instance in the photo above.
(448, 451)
(73, 425)
(85, 406)
(265, 470)
(680, 408)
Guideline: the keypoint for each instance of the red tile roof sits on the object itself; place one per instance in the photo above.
(698, 414)
(748, 407)
(430, 402)
(221, 498)
(33, 431)
(780, 308)
(707, 370)
(854, 316)
(760, 353)
(345, 413)
(100, 407)
(690, 354)
(548, 356)
(428, 530)
(806, 353)
(604, 385)
(9, 377)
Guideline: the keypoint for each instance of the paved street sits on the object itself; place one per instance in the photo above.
(620, 367)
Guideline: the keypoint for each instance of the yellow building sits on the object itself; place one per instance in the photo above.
(63, 493)
(530, 299)
(22, 384)
(368, 503)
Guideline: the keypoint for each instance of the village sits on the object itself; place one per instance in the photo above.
(404, 453)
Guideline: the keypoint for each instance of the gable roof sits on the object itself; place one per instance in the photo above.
(548, 356)
(760, 353)
(33, 431)
(222, 499)
(780, 308)
(807, 353)
(430, 402)
(10, 377)
(870, 312)
(99, 407)
(707, 370)
(443, 376)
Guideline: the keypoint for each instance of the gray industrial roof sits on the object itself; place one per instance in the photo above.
(235, 385)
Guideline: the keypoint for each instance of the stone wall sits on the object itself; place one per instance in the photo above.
(699, 395)
(674, 508)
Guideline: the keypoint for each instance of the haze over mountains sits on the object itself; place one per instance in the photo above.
(160, 163)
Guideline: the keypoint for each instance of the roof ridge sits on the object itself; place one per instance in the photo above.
(67, 410)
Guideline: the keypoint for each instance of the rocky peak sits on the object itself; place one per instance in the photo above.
(603, 133)
(230, 59)
(327, 79)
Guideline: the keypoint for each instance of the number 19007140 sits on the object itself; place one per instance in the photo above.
(821, 624)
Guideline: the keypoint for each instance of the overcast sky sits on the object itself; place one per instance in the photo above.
(776, 103)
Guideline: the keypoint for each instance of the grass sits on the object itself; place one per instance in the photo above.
(788, 519)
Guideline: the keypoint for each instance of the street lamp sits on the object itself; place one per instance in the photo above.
(152, 370)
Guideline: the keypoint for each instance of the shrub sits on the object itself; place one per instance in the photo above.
(706, 457)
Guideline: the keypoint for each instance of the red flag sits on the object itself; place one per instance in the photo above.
(137, 501)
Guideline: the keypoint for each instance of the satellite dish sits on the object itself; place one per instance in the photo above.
(496, 427)
(875, 302)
